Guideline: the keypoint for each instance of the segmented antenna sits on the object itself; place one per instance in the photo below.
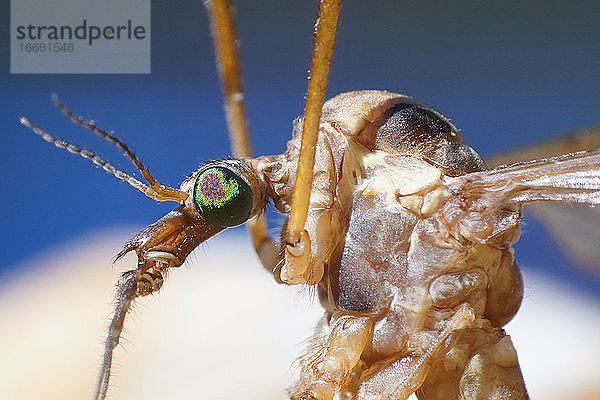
(156, 190)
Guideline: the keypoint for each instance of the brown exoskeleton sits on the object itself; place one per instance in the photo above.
(405, 235)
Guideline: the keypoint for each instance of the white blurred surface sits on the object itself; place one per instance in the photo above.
(221, 328)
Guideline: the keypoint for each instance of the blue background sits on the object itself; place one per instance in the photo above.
(507, 74)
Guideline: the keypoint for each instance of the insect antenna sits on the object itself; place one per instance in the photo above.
(156, 190)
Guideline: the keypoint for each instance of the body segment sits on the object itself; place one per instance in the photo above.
(407, 241)
(406, 254)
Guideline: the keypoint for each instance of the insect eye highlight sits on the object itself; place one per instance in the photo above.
(222, 197)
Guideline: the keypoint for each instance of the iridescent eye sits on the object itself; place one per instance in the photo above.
(222, 197)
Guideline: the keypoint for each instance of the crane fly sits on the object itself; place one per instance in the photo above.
(398, 224)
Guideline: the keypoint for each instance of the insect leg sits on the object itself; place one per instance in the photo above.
(228, 64)
(410, 371)
(493, 372)
(298, 241)
(479, 364)
(304, 263)
(338, 349)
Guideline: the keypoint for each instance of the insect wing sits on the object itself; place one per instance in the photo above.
(575, 227)
(583, 140)
(573, 178)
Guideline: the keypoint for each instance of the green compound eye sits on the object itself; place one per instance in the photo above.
(222, 197)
